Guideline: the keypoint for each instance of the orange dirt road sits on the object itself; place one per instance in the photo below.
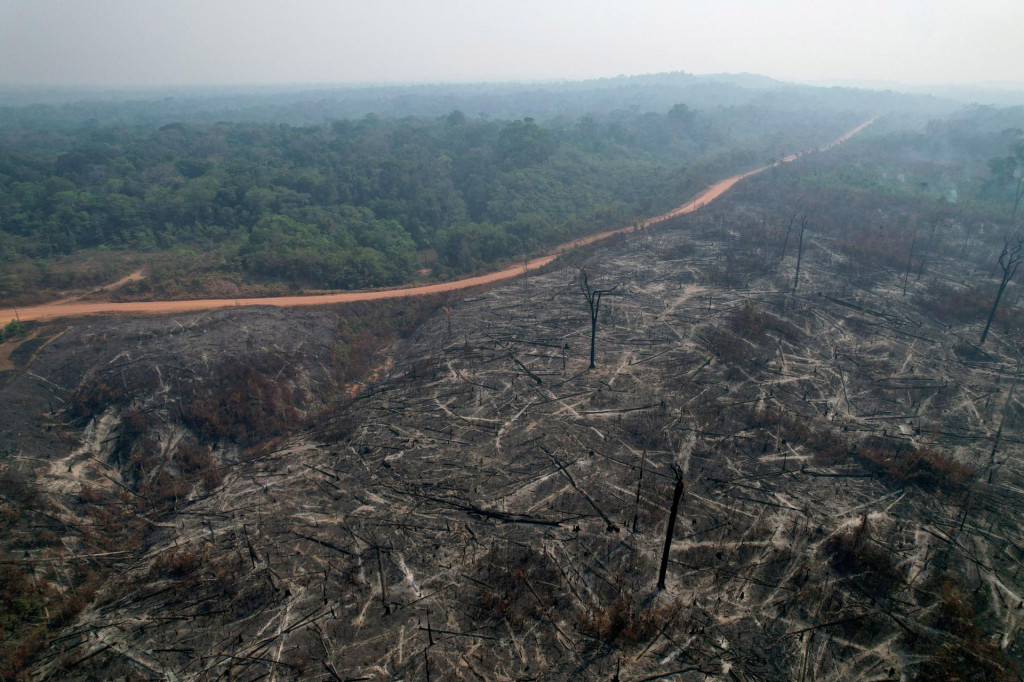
(65, 308)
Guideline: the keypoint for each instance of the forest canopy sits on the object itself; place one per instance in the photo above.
(352, 203)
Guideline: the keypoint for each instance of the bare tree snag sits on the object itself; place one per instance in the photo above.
(967, 237)
(430, 643)
(677, 495)
(1009, 259)
(253, 557)
(639, 484)
(593, 297)
(1002, 420)
(1018, 195)
(800, 251)
(910, 259)
(785, 242)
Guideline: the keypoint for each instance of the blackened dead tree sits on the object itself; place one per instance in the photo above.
(1002, 420)
(928, 247)
(1018, 195)
(785, 242)
(1009, 259)
(593, 297)
(639, 485)
(800, 251)
(910, 259)
(448, 319)
(677, 495)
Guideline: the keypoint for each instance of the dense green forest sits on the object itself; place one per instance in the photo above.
(351, 203)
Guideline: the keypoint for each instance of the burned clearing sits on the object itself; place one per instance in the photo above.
(488, 507)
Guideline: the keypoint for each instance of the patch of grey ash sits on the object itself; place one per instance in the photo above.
(138, 353)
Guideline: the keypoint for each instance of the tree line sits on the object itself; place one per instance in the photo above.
(355, 203)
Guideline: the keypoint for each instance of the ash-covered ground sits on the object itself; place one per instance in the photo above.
(488, 507)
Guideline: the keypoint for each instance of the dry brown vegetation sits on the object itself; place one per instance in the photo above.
(924, 467)
(961, 651)
(627, 621)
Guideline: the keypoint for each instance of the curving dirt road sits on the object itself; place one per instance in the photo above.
(65, 308)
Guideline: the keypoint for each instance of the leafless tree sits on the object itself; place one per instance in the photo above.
(1009, 259)
(910, 259)
(593, 297)
(1019, 194)
(1002, 421)
(448, 320)
(677, 495)
(639, 485)
(800, 251)
(785, 242)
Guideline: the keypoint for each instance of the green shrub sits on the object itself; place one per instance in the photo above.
(12, 329)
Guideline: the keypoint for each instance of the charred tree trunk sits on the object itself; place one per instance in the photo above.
(800, 252)
(593, 297)
(999, 432)
(910, 259)
(1017, 197)
(677, 495)
(1009, 259)
(639, 485)
(785, 242)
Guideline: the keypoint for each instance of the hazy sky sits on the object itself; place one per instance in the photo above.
(181, 42)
